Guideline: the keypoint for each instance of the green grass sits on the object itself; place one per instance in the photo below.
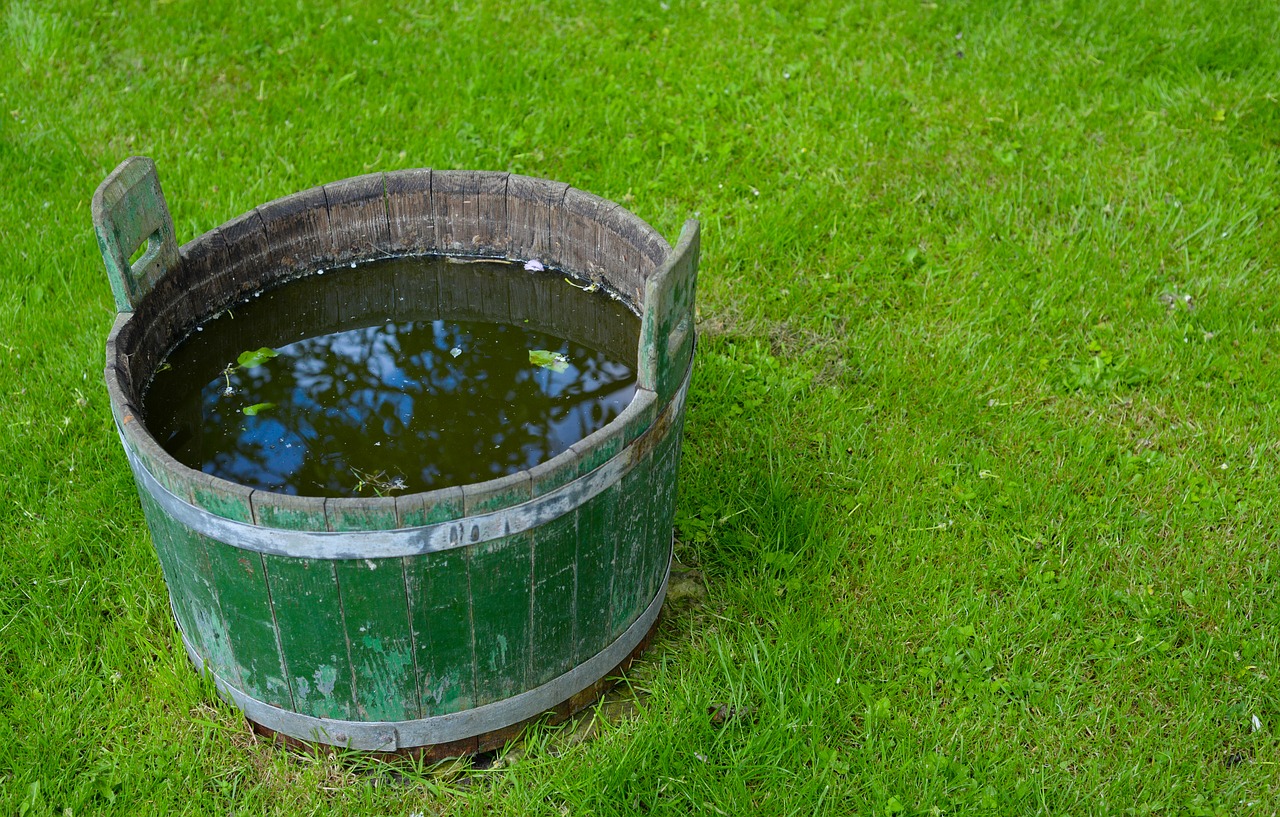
(981, 460)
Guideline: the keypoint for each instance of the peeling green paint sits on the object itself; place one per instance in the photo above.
(325, 677)
(380, 683)
(498, 658)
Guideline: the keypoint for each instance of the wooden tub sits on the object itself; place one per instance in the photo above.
(439, 621)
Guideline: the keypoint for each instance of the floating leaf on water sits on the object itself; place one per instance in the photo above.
(379, 482)
(256, 357)
(455, 351)
(554, 361)
(253, 410)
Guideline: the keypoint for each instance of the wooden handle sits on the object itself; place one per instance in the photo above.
(666, 330)
(129, 209)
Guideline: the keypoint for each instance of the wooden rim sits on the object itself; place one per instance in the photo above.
(476, 213)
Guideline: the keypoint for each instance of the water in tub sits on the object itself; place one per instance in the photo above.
(397, 376)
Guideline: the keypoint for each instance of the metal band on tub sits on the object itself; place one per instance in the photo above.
(414, 541)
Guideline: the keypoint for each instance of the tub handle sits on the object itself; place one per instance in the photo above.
(128, 210)
(666, 330)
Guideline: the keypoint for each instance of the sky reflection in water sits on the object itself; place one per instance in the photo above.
(421, 404)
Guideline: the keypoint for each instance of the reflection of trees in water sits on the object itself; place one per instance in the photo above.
(392, 399)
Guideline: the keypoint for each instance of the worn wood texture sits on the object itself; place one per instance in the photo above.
(503, 492)
(663, 487)
(158, 332)
(442, 505)
(171, 310)
(501, 588)
(470, 212)
(203, 261)
(307, 601)
(375, 607)
(117, 386)
(626, 244)
(192, 592)
(578, 235)
(223, 498)
(298, 234)
(666, 329)
(653, 248)
(158, 320)
(553, 610)
(597, 535)
(358, 218)
(121, 342)
(222, 605)
(555, 472)
(501, 597)
(360, 513)
(410, 221)
(248, 259)
(240, 580)
(129, 209)
(598, 448)
(495, 739)
(152, 457)
(272, 510)
(529, 205)
(598, 240)
(438, 586)
(375, 610)
(635, 529)
(647, 408)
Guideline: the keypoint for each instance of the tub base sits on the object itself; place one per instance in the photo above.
(456, 734)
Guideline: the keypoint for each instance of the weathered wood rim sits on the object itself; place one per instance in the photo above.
(390, 736)
(499, 215)
(413, 541)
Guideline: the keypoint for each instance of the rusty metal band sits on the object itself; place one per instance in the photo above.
(414, 541)
(389, 736)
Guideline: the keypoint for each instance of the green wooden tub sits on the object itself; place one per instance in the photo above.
(443, 620)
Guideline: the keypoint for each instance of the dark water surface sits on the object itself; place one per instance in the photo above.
(397, 376)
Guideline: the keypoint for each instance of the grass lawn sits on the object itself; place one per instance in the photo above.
(981, 462)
